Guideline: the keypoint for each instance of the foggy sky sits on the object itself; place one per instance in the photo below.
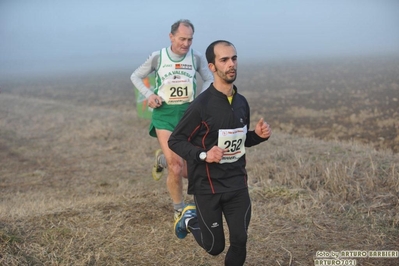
(64, 35)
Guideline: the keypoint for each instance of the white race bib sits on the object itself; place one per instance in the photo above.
(177, 91)
(233, 140)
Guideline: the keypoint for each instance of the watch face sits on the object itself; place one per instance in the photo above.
(202, 155)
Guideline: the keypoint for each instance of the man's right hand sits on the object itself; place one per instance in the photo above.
(215, 154)
(154, 101)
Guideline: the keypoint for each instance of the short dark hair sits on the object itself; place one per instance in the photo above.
(176, 25)
(210, 51)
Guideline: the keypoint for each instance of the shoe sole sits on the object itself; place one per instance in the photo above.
(157, 175)
(183, 234)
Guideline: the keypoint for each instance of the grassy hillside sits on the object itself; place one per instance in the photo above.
(76, 185)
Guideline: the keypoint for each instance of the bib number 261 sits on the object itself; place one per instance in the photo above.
(178, 91)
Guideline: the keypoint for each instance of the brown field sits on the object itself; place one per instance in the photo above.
(76, 185)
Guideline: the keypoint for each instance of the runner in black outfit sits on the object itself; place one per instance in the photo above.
(212, 137)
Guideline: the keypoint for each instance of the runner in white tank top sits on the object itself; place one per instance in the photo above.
(176, 86)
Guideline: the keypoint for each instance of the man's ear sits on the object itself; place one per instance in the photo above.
(212, 67)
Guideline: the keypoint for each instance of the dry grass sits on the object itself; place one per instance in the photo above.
(76, 187)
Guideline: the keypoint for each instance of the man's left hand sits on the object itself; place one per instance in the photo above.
(262, 129)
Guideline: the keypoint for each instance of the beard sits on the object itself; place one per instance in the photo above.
(225, 75)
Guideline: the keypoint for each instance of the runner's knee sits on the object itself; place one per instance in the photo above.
(216, 250)
(239, 240)
(175, 167)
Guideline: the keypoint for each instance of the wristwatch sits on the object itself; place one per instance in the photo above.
(202, 156)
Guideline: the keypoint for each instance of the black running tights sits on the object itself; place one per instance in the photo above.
(207, 228)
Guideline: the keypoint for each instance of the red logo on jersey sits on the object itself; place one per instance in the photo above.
(183, 66)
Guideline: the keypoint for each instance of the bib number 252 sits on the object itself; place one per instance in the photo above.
(233, 145)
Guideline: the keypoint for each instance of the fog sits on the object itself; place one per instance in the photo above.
(49, 36)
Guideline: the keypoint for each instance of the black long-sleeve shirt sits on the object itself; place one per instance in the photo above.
(198, 131)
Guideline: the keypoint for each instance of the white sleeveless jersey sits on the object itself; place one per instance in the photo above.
(176, 80)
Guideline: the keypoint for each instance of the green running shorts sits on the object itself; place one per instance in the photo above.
(166, 117)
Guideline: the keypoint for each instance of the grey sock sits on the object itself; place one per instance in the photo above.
(178, 207)
(162, 161)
